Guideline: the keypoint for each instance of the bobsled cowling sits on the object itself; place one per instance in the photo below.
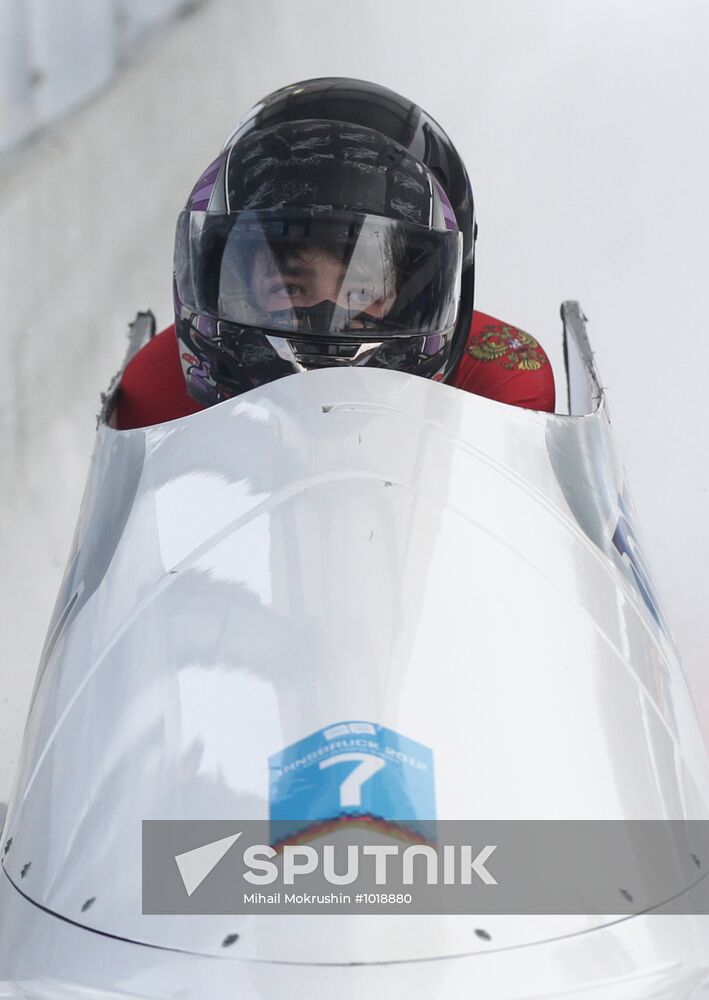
(346, 544)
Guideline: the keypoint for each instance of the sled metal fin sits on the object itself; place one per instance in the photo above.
(584, 390)
(140, 331)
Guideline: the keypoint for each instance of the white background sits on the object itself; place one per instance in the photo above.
(585, 130)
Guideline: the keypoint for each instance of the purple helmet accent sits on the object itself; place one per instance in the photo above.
(202, 191)
(448, 213)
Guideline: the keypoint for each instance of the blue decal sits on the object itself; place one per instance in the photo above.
(352, 769)
(625, 541)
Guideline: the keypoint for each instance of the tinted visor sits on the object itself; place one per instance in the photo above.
(340, 273)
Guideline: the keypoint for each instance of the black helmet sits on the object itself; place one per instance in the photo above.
(336, 227)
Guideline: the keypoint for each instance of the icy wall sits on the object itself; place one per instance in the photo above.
(56, 54)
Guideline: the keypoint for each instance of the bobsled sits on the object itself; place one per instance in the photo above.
(342, 549)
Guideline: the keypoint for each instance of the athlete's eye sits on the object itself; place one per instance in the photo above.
(289, 289)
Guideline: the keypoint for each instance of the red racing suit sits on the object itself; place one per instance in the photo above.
(499, 362)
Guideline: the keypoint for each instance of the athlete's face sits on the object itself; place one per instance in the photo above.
(311, 275)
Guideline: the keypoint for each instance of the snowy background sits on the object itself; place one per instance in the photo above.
(585, 130)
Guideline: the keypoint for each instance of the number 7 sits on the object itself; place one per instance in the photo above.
(351, 787)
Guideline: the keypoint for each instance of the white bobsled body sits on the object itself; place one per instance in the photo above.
(347, 544)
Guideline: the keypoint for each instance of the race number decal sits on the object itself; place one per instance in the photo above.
(353, 769)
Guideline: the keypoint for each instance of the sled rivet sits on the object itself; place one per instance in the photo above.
(482, 934)
(229, 940)
(88, 904)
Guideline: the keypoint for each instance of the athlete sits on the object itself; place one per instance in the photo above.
(335, 228)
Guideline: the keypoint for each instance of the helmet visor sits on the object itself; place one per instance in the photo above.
(300, 272)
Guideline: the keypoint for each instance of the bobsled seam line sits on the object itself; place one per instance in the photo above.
(620, 919)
